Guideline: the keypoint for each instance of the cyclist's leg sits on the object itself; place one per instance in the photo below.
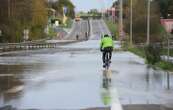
(103, 56)
(107, 55)
(110, 55)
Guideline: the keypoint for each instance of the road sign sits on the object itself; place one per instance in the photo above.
(56, 23)
(65, 10)
(26, 34)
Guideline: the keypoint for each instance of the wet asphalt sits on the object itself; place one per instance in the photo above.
(71, 77)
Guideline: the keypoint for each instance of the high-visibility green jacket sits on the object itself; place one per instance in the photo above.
(106, 42)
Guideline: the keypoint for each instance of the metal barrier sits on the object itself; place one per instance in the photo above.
(29, 45)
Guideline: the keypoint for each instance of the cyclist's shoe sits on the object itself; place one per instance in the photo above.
(104, 65)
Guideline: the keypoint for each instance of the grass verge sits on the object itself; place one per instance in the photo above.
(138, 51)
(167, 66)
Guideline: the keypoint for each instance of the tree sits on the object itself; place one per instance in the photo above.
(140, 21)
(39, 18)
(166, 8)
(58, 6)
(16, 20)
(30, 14)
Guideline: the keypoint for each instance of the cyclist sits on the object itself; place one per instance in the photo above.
(86, 35)
(77, 37)
(106, 45)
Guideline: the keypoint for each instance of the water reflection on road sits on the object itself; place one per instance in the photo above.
(138, 83)
(51, 81)
(73, 80)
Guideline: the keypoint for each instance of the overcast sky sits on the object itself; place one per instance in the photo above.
(85, 5)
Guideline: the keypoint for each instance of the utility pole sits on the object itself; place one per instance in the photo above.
(0, 33)
(131, 22)
(48, 3)
(121, 18)
(9, 8)
(102, 13)
(103, 8)
(168, 49)
(148, 22)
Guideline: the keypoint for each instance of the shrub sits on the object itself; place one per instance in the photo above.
(165, 65)
(152, 53)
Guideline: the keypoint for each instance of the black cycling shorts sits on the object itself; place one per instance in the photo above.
(108, 49)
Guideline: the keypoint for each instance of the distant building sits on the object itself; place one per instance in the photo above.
(168, 24)
(113, 12)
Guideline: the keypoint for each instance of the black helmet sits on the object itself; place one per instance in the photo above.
(106, 35)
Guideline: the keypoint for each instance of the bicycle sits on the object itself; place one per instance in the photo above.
(106, 79)
(107, 74)
(107, 61)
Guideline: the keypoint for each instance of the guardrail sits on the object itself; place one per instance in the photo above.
(4, 47)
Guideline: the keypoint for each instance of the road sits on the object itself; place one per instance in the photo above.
(98, 28)
(70, 77)
(79, 28)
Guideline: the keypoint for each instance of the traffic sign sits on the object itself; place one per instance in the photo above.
(65, 9)
(26, 34)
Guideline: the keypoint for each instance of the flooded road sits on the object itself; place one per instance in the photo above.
(138, 83)
(73, 80)
(70, 77)
(60, 80)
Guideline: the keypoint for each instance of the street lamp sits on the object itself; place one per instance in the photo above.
(148, 22)
(0, 33)
(131, 22)
(103, 7)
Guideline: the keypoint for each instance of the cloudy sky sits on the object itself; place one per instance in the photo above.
(85, 5)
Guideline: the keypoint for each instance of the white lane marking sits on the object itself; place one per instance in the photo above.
(116, 105)
(15, 89)
(91, 29)
(115, 102)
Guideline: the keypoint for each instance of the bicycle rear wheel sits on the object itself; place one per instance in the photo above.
(107, 62)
